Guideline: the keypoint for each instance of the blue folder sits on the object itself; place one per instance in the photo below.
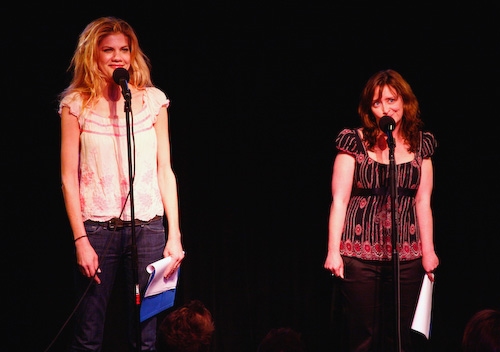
(159, 294)
(153, 305)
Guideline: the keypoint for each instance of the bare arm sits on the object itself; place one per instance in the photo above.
(86, 257)
(430, 261)
(343, 171)
(168, 188)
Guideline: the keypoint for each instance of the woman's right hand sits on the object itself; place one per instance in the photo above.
(87, 259)
(335, 264)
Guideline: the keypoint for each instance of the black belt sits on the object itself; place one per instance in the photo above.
(365, 192)
(117, 223)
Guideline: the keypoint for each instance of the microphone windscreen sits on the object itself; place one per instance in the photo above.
(119, 74)
(386, 123)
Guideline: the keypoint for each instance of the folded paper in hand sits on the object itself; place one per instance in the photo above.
(422, 318)
(160, 292)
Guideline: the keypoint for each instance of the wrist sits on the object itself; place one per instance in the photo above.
(79, 238)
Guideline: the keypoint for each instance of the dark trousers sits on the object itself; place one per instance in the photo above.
(369, 306)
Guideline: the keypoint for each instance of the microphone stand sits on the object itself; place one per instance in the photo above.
(135, 269)
(394, 233)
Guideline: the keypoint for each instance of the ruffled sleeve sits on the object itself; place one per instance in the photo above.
(155, 99)
(74, 102)
(429, 144)
(348, 141)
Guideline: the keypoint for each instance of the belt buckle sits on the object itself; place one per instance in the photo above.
(115, 223)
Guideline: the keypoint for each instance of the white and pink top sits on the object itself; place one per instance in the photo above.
(104, 166)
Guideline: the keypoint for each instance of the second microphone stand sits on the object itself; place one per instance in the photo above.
(394, 237)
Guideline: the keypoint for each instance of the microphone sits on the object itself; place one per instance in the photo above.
(387, 125)
(121, 77)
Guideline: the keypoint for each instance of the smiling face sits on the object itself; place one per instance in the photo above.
(387, 103)
(113, 52)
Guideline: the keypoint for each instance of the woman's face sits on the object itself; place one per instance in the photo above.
(113, 52)
(389, 104)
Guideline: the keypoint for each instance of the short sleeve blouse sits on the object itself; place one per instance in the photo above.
(104, 165)
(367, 231)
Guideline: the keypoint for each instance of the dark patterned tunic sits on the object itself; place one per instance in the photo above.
(367, 230)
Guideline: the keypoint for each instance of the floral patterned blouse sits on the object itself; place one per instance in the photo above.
(367, 231)
(103, 163)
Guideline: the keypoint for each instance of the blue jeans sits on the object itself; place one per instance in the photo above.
(113, 246)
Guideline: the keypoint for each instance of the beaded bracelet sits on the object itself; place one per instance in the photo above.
(76, 239)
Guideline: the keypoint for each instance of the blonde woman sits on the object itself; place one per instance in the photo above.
(96, 172)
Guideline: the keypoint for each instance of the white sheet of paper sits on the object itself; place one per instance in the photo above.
(157, 282)
(422, 318)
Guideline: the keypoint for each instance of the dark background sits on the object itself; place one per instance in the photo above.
(258, 92)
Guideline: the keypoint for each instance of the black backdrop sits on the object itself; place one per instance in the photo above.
(258, 91)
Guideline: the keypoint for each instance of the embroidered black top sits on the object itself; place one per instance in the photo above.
(367, 230)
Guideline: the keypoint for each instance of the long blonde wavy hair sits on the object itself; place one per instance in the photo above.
(87, 78)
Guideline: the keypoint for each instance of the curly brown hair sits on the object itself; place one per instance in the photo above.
(188, 328)
(482, 332)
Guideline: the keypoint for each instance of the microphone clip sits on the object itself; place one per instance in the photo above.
(127, 95)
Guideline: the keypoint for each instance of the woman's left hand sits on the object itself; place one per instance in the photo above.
(176, 252)
(430, 262)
